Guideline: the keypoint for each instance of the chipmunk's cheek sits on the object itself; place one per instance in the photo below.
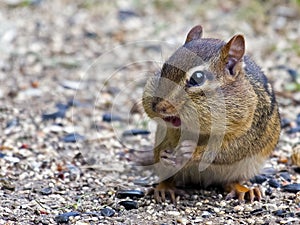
(174, 120)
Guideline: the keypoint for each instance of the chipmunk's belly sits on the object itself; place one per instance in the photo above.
(219, 174)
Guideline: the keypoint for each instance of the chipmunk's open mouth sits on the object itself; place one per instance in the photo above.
(174, 120)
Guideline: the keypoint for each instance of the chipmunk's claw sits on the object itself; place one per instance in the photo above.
(166, 189)
(241, 192)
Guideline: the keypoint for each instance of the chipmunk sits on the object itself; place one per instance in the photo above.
(217, 117)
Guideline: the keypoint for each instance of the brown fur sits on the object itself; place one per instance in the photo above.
(240, 106)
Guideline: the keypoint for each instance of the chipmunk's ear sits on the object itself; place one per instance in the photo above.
(194, 34)
(233, 52)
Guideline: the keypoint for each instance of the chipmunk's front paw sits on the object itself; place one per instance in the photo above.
(241, 192)
(168, 158)
(178, 157)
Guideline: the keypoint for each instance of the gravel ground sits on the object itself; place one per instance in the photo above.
(71, 79)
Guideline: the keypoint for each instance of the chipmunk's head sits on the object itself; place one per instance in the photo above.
(196, 84)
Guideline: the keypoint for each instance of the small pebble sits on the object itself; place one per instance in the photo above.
(293, 130)
(136, 132)
(62, 106)
(12, 159)
(173, 213)
(297, 169)
(279, 212)
(286, 176)
(130, 194)
(223, 203)
(128, 204)
(257, 211)
(293, 188)
(12, 123)
(46, 191)
(64, 218)
(205, 214)
(259, 179)
(285, 123)
(110, 118)
(293, 73)
(6, 184)
(269, 171)
(250, 221)
(141, 182)
(74, 172)
(55, 115)
(238, 208)
(126, 14)
(74, 137)
(297, 199)
(274, 183)
(282, 159)
(73, 85)
(60, 113)
(216, 210)
(77, 103)
(298, 119)
(107, 212)
(268, 191)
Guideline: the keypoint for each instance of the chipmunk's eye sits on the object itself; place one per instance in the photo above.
(197, 78)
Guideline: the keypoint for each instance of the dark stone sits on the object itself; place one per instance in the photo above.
(257, 211)
(258, 179)
(12, 123)
(107, 212)
(297, 169)
(269, 171)
(136, 132)
(128, 204)
(110, 118)
(274, 183)
(285, 123)
(283, 213)
(141, 182)
(53, 116)
(60, 113)
(2, 155)
(293, 188)
(279, 212)
(293, 130)
(126, 14)
(64, 218)
(130, 194)
(62, 106)
(293, 73)
(90, 34)
(268, 191)
(74, 137)
(286, 176)
(298, 120)
(77, 103)
(46, 191)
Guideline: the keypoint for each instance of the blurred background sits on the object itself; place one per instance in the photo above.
(60, 39)
(70, 68)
